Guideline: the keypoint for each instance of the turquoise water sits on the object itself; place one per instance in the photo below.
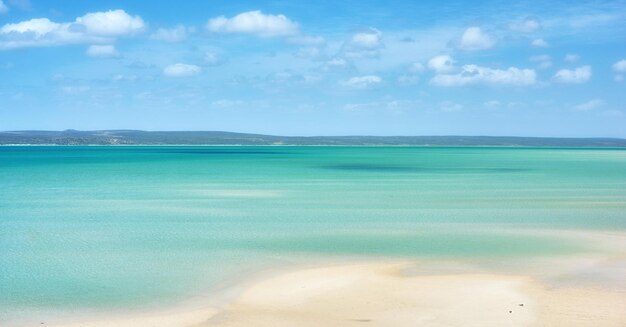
(101, 228)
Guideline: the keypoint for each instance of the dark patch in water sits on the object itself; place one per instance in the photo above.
(369, 167)
(393, 168)
(224, 152)
(505, 170)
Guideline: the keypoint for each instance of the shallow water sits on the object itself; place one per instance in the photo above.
(101, 228)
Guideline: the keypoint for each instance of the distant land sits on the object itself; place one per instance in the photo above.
(136, 137)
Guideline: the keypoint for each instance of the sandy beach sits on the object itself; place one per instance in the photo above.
(393, 294)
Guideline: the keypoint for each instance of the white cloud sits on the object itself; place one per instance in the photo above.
(620, 66)
(111, 23)
(176, 34)
(364, 44)
(98, 27)
(37, 26)
(475, 39)
(363, 82)
(543, 61)
(473, 74)
(181, 70)
(441, 63)
(571, 57)
(589, 105)
(539, 43)
(254, 22)
(576, 76)
(102, 51)
(3, 8)
(528, 25)
(367, 40)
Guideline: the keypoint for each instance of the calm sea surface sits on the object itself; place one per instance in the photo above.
(100, 228)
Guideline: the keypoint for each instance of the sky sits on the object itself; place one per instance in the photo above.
(514, 68)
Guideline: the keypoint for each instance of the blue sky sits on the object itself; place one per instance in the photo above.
(534, 68)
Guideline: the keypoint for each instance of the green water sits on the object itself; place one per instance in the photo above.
(102, 228)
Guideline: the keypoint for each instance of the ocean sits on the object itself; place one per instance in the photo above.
(94, 229)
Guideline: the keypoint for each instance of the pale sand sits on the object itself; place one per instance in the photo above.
(182, 317)
(390, 294)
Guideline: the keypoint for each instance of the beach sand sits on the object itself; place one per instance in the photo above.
(392, 294)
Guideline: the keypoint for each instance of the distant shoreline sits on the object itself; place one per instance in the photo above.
(218, 138)
(320, 145)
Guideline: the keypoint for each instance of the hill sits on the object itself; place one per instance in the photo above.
(136, 137)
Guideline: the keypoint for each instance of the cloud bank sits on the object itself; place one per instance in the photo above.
(573, 76)
(97, 27)
(363, 82)
(181, 70)
(254, 22)
(441, 63)
(364, 44)
(473, 74)
(475, 39)
(102, 51)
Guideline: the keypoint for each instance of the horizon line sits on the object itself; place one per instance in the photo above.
(305, 136)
